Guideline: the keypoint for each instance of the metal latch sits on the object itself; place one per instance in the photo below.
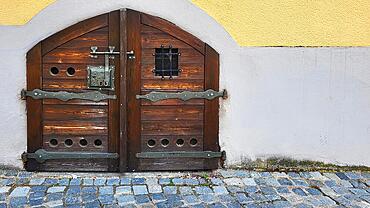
(42, 155)
(101, 77)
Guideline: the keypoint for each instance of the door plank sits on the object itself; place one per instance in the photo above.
(114, 115)
(174, 84)
(73, 32)
(123, 164)
(173, 30)
(34, 107)
(133, 87)
(74, 112)
(76, 127)
(211, 123)
(64, 84)
(172, 128)
(171, 113)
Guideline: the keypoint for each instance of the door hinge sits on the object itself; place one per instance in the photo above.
(42, 155)
(180, 154)
(65, 96)
(185, 95)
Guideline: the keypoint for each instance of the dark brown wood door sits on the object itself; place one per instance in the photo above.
(120, 132)
(170, 134)
(77, 126)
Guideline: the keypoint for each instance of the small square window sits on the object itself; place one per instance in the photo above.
(166, 62)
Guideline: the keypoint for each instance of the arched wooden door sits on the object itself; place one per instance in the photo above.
(123, 91)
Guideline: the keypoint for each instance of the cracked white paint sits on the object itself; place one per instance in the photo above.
(306, 103)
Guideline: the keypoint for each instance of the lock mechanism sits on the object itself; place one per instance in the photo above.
(101, 77)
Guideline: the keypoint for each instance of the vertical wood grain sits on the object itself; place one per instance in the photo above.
(114, 115)
(134, 82)
(34, 107)
(123, 92)
(211, 110)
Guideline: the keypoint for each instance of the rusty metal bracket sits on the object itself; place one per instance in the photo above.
(42, 155)
(185, 95)
(65, 96)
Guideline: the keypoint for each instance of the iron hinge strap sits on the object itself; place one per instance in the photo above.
(42, 155)
(204, 154)
(185, 95)
(65, 96)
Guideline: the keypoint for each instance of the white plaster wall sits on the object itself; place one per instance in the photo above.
(307, 103)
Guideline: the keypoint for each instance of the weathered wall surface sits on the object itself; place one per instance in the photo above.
(259, 23)
(306, 103)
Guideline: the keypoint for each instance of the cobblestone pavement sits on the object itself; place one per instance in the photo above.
(221, 188)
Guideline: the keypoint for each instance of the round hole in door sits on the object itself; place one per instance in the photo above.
(193, 141)
(98, 142)
(83, 142)
(151, 143)
(165, 142)
(180, 142)
(54, 71)
(71, 71)
(53, 142)
(68, 142)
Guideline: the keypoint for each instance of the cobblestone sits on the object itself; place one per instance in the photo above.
(225, 188)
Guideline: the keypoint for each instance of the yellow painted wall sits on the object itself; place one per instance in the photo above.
(260, 22)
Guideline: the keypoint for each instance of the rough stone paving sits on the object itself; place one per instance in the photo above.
(221, 188)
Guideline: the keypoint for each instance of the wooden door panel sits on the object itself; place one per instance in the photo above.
(88, 143)
(172, 113)
(174, 85)
(173, 30)
(165, 164)
(175, 122)
(93, 165)
(78, 50)
(188, 71)
(176, 143)
(70, 85)
(74, 112)
(75, 127)
(64, 70)
(72, 56)
(171, 128)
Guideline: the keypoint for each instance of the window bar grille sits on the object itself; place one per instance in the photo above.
(170, 60)
(163, 58)
(166, 58)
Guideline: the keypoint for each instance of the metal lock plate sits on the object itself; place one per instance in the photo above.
(100, 77)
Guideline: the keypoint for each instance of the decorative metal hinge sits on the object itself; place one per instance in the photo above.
(205, 154)
(185, 95)
(42, 155)
(65, 96)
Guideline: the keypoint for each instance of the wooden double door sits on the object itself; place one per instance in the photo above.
(111, 93)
